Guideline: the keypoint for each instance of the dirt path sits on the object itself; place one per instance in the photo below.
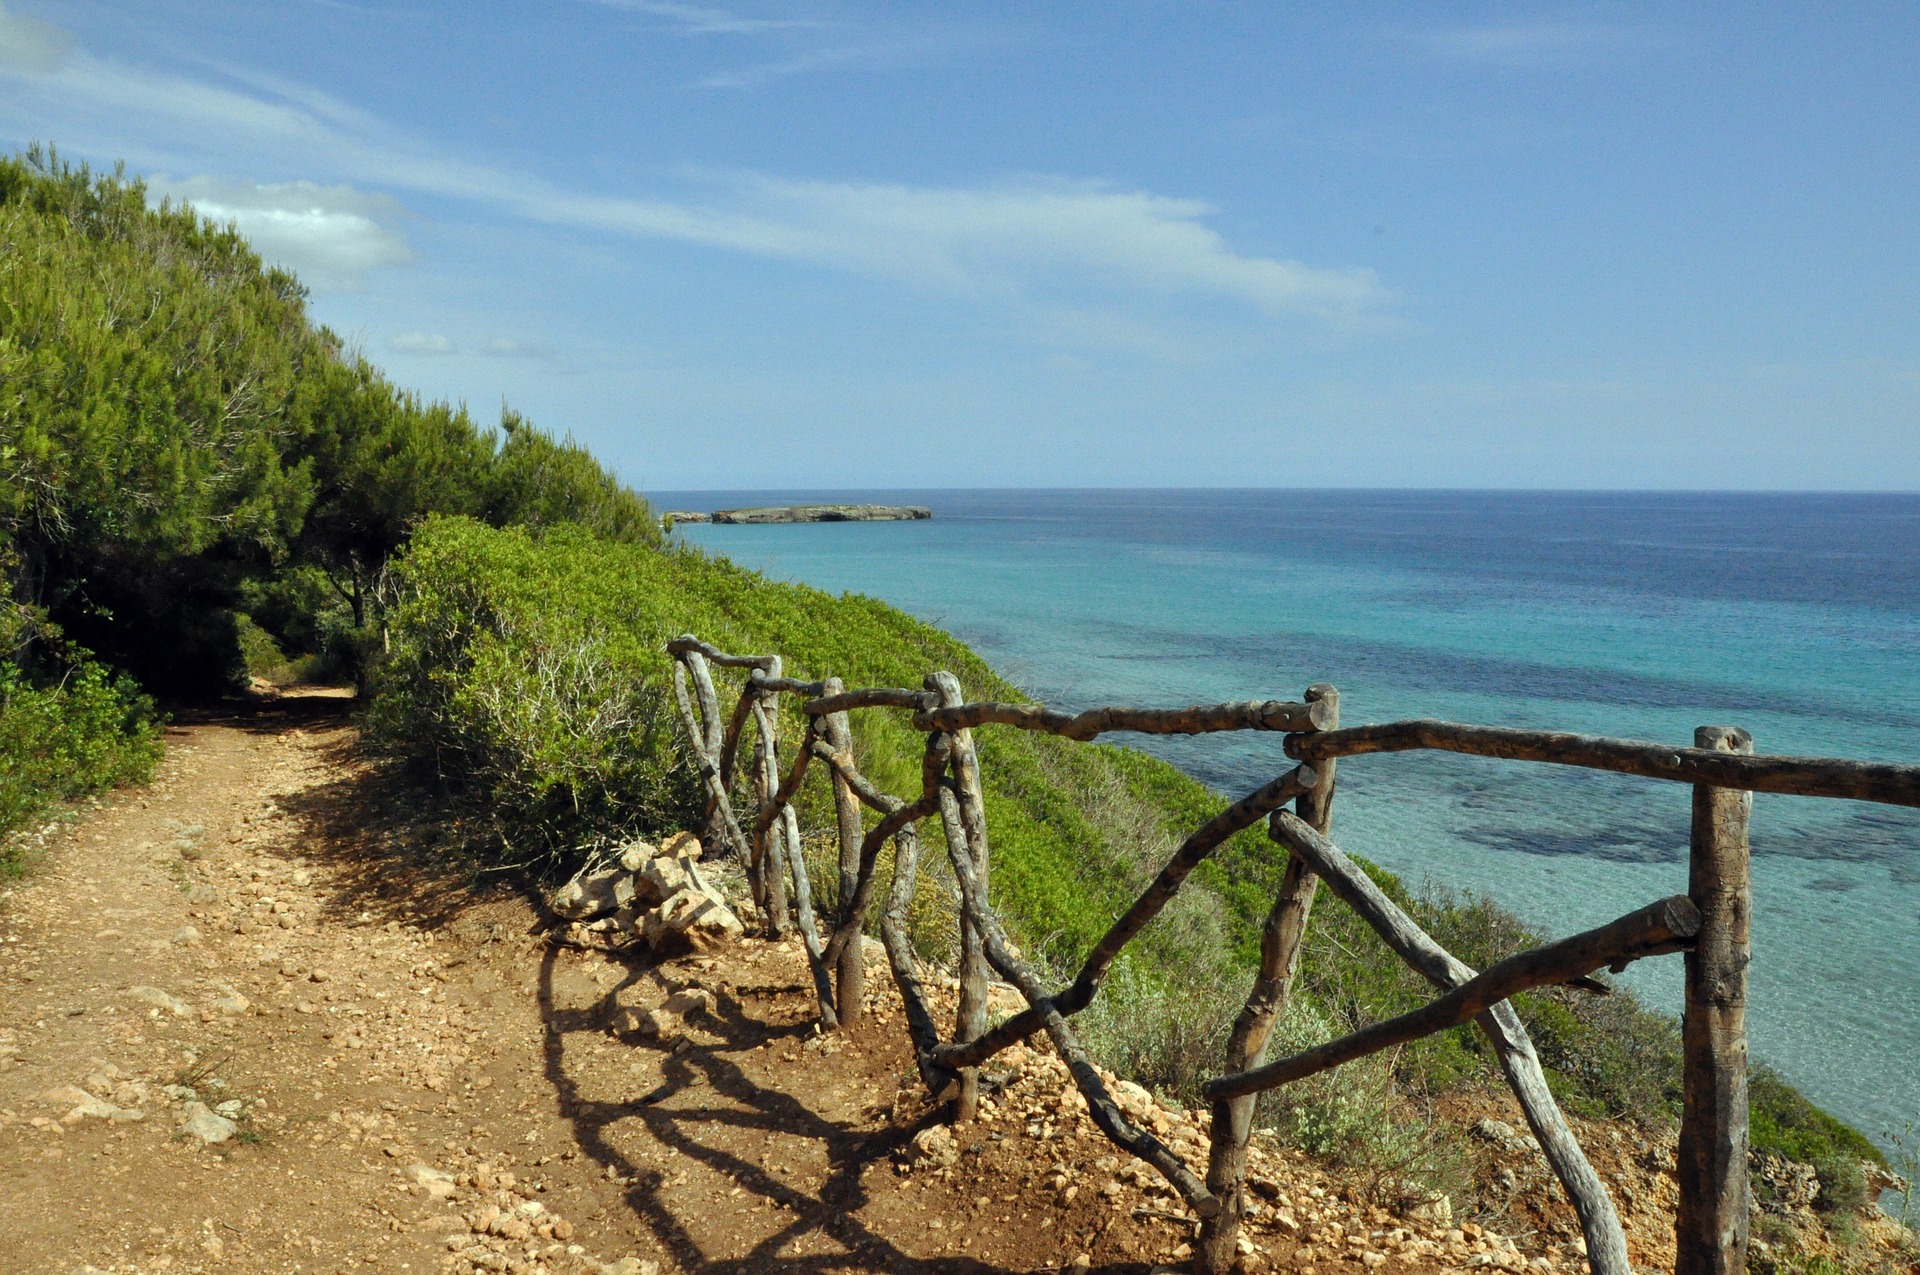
(411, 1078)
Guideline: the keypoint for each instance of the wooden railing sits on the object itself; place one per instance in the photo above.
(1709, 924)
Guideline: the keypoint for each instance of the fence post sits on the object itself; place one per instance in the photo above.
(1247, 1048)
(772, 850)
(850, 979)
(970, 1014)
(1710, 1229)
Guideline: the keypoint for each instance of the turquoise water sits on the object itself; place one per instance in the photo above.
(1640, 615)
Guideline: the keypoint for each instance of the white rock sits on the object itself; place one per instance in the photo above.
(205, 1125)
(436, 1184)
(594, 893)
(154, 996)
(635, 855)
(690, 1002)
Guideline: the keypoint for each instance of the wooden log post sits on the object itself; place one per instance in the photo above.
(1599, 1223)
(968, 824)
(850, 979)
(771, 854)
(721, 828)
(1710, 1228)
(1280, 940)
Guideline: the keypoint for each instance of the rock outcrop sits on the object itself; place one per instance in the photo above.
(823, 513)
(651, 895)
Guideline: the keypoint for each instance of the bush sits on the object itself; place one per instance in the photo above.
(86, 732)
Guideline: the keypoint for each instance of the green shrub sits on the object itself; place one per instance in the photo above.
(85, 732)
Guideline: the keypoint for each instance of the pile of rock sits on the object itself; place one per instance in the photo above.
(653, 895)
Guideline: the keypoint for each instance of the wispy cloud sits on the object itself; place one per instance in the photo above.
(507, 347)
(693, 19)
(1527, 45)
(329, 235)
(747, 77)
(31, 44)
(430, 343)
(1043, 244)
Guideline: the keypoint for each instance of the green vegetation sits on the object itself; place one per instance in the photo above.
(198, 485)
(527, 678)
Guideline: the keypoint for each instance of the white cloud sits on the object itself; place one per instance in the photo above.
(507, 348)
(421, 343)
(1042, 245)
(329, 235)
(703, 20)
(1532, 45)
(31, 44)
(1008, 241)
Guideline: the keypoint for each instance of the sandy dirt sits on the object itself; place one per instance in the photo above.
(406, 1074)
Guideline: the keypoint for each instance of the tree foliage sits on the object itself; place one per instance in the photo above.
(176, 434)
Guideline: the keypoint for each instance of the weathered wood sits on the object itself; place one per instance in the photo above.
(709, 701)
(1280, 715)
(730, 740)
(858, 784)
(722, 809)
(788, 685)
(1666, 926)
(1232, 1126)
(688, 644)
(1710, 1229)
(850, 979)
(871, 697)
(921, 1028)
(1600, 1224)
(769, 845)
(769, 851)
(1805, 776)
(1243, 814)
(933, 764)
(1105, 1112)
(965, 819)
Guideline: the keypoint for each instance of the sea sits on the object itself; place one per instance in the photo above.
(1640, 615)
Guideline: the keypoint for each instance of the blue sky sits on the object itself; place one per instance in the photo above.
(826, 244)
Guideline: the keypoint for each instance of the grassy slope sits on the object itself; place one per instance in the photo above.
(1076, 828)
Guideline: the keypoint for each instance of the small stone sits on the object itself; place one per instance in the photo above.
(690, 1002)
(207, 1125)
(1498, 1132)
(186, 935)
(155, 997)
(935, 1146)
(635, 855)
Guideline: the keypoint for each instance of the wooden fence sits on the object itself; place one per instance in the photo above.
(1709, 924)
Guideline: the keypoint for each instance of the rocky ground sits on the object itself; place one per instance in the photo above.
(253, 1019)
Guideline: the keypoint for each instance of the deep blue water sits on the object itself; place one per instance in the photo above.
(1643, 615)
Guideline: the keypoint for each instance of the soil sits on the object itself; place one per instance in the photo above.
(417, 1078)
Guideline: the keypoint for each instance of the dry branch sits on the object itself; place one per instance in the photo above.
(871, 697)
(688, 644)
(1806, 776)
(1606, 1242)
(1280, 938)
(1100, 1104)
(1243, 814)
(1658, 928)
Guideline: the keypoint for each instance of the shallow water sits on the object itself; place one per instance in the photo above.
(1643, 615)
